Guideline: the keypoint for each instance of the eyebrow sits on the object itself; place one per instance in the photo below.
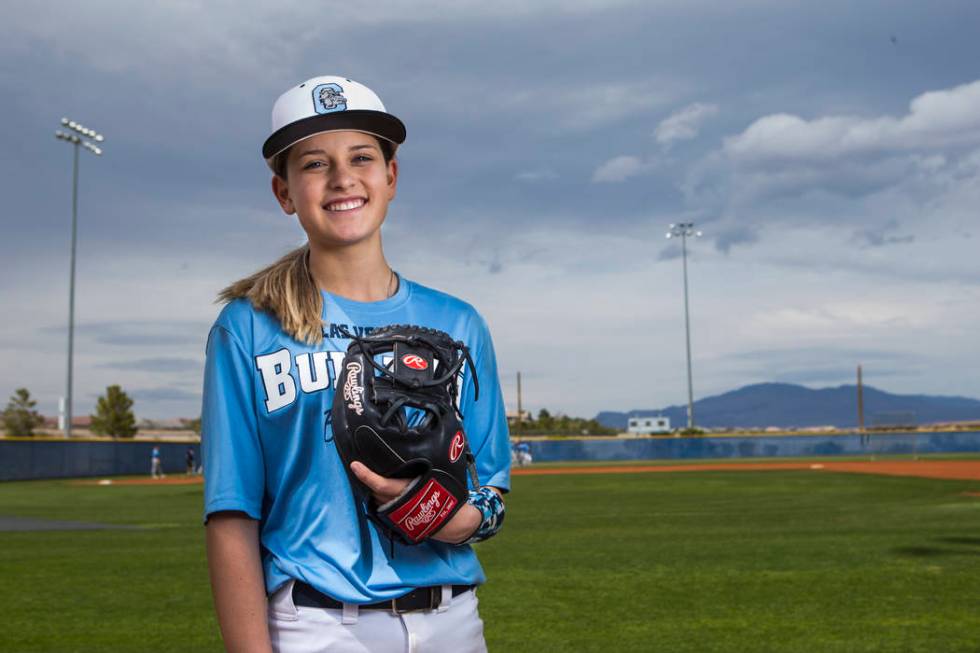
(352, 148)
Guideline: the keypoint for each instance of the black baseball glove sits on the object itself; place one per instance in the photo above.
(395, 410)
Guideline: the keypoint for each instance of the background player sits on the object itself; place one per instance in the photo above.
(523, 454)
(281, 518)
(156, 464)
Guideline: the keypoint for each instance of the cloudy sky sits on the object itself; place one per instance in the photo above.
(829, 151)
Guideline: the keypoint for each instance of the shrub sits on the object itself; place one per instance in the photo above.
(19, 418)
(114, 414)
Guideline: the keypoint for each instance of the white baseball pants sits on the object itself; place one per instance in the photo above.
(456, 626)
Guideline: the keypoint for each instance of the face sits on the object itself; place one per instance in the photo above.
(339, 186)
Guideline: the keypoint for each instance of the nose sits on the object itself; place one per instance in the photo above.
(340, 177)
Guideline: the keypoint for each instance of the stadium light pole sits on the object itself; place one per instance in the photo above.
(78, 137)
(685, 230)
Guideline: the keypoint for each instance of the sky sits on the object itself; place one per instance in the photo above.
(829, 152)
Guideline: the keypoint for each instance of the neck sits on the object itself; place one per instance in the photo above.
(358, 272)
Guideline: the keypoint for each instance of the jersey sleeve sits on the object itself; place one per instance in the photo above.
(485, 419)
(230, 448)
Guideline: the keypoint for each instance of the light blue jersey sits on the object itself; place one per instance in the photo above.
(268, 448)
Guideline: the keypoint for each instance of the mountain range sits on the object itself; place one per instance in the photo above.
(788, 405)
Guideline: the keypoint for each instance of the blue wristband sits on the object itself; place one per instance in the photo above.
(491, 507)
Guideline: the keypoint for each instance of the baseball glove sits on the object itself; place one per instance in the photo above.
(395, 410)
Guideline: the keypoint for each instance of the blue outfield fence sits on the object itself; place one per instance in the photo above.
(26, 460)
(22, 460)
(783, 446)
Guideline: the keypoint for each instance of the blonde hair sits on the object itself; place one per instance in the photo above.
(287, 290)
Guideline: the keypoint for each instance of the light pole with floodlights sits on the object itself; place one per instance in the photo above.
(77, 139)
(685, 230)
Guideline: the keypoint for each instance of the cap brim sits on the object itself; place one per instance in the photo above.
(377, 123)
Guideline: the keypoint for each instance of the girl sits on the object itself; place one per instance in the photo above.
(294, 563)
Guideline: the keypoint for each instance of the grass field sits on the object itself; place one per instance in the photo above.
(703, 561)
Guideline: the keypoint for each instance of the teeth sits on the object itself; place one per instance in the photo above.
(345, 206)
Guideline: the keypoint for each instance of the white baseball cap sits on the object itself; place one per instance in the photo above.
(324, 104)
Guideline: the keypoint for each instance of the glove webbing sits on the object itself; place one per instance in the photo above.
(448, 377)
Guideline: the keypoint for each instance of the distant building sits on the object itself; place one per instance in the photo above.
(169, 424)
(79, 421)
(648, 425)
(515, 417)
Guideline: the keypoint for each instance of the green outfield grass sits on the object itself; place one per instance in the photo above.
(700, 561)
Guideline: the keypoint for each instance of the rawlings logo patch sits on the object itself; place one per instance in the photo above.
(456, 447)
(353, 390)
(328, 98)
(415, 361)
(426, 513)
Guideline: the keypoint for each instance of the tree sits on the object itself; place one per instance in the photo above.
(559, 424)
(114, 414)
(19, 418)
(545, 420)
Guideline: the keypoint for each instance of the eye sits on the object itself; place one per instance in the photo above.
(363, 158)
(312, 165)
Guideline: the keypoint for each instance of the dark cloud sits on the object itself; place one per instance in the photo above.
(157, 365)
(165, 394)
(829, 375)
(882, 236)
(731, 236)
(823, 365)
(803, 353)
(139, 334)
(670, 252)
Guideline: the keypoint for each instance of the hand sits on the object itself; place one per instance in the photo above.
(463, 524)
(382, 488)
(456, 531)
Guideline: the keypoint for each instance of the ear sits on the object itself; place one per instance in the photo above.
(392, 178)
(280, 188)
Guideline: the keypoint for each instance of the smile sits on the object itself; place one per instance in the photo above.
(346, 205)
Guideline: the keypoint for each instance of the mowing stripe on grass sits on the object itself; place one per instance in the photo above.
(10, 524)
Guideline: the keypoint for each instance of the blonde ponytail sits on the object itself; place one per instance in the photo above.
(285, 289)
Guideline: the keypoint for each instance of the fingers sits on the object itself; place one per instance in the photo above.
(384, 489)
(375, 482)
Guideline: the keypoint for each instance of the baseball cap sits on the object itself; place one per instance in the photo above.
(324, 104)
